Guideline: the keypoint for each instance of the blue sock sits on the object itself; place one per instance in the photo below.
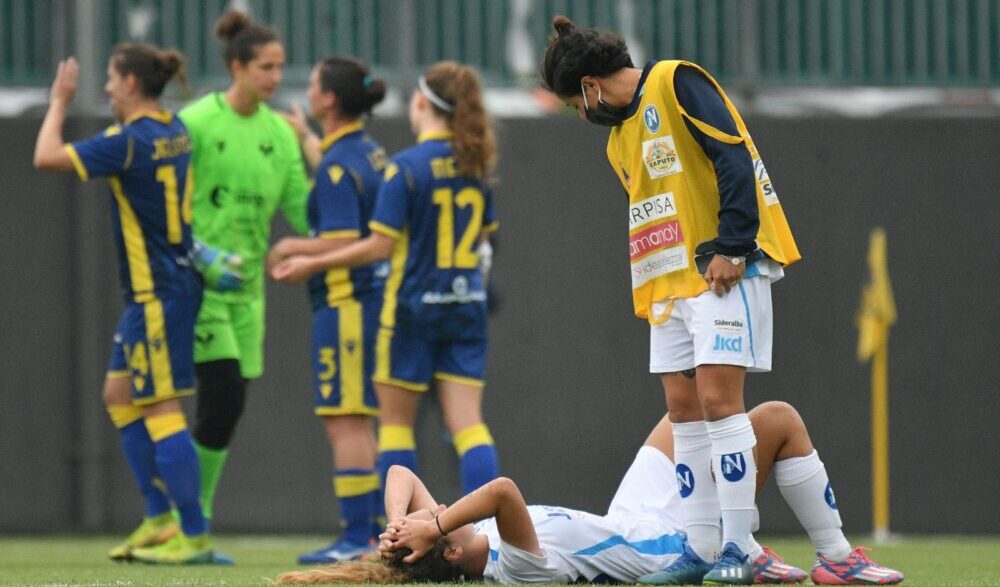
(139, 452)
(396, 446)
(477, 456)
(178, 465)
(356, 490)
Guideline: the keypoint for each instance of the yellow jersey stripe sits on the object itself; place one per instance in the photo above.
(352, 356)
(491, 227)
(81, 169)
(336, 135)
(435, 135)
(140, 273)
(159, 352)
(383, 229)
(471, 381)
(397, 266)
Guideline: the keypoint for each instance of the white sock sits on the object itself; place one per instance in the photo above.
(736, 479)
(699, 498)
(804, 484)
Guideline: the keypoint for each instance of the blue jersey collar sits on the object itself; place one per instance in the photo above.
(634, 105)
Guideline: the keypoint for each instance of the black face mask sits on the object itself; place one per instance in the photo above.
(604, 114)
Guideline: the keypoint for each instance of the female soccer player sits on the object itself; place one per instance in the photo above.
(431, 214)
(346, 302)
(247, 164)
(707, 236)
(491, 534)
(145, 157)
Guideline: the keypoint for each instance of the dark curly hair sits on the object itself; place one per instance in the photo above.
(573, 53)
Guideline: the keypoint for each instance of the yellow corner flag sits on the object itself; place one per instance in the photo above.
(877, 314)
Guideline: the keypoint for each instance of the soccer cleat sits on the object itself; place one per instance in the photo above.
(689, 569)
(771, 568)
(857, 569)
(151, 532)
(732, 568)
(339, 551)
(182, 550)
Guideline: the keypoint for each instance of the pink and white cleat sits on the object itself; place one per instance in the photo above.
(856, 569)
(769, 568)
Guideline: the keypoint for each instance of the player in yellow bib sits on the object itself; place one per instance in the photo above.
(707, 237)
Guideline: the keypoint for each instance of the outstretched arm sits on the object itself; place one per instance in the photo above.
(298, 268)
(499, 498)
(50, 152)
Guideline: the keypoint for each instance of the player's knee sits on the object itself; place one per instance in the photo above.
(221, 400)
(116, 391)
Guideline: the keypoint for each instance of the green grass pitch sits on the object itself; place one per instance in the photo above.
(57, 561)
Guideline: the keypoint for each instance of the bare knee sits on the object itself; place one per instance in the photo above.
(783, 421)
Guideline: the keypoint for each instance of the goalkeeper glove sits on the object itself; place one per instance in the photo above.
(218, 268)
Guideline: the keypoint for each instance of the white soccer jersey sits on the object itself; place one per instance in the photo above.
(641, 534)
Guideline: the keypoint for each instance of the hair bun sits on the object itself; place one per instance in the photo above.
(230, 24)
(563, 25)
(170, 61)
(374, 91)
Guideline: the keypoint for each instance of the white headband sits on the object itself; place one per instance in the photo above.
(434, 98)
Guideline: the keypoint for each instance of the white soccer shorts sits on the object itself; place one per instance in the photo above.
(734, 329)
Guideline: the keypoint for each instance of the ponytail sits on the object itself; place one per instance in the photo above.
(474, 143)
(152, 67)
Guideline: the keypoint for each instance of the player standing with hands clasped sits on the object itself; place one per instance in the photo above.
(707, 236)
(247, 164)
(432, 214)
(346, 302)
(145, 157)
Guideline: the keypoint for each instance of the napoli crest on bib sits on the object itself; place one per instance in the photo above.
(652, 119)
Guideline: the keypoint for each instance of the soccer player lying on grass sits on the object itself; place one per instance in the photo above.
(490, 534)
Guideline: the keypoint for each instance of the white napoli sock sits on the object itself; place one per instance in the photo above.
(699, 498)
(804, 484)
(736, 479)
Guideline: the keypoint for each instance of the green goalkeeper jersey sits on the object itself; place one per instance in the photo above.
(245, 168)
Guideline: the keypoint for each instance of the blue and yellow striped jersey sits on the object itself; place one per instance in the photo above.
(340, 206)
(436, 217)
(146, 162)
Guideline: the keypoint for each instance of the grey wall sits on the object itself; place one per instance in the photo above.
(568, 395)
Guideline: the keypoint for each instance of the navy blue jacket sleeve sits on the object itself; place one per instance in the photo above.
(738, 213)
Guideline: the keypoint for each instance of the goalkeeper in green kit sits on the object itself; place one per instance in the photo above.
(247, 164)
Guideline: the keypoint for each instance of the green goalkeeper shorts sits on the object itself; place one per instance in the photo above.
(228, 330)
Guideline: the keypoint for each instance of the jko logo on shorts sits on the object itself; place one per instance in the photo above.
(731, 345)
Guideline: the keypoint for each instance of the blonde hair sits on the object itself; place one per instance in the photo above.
(370, 572)
(430, 568)
(474, 142)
